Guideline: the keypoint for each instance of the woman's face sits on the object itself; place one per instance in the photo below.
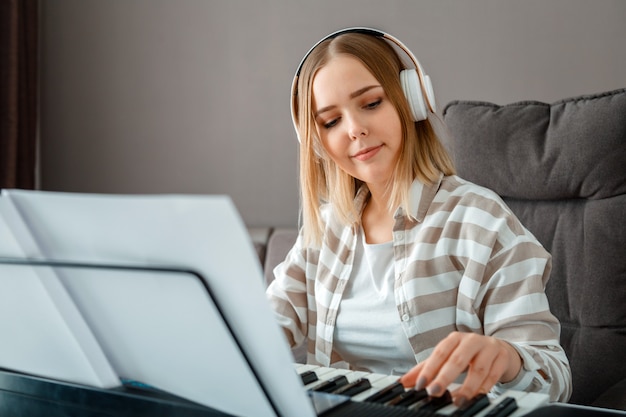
(359, 127)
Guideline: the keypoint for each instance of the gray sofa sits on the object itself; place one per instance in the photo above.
(561, 167)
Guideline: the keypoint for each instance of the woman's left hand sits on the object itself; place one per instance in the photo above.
(486, 359)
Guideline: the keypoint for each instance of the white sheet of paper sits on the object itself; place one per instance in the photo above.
(44, 333)
(170, 327)
(203, 233)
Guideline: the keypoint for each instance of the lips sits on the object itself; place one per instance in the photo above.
(367, 153)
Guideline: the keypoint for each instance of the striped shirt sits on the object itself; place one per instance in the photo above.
(465, 263)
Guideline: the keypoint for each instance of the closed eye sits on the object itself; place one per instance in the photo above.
(368, 106)
(373, 104)
(331, 123)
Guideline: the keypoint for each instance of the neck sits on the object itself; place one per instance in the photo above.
(377, 220)
(379, 196)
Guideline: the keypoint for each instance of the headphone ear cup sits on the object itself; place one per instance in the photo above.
(413, 93)
(430, 93)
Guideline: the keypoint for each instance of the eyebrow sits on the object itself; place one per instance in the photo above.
(354, 94)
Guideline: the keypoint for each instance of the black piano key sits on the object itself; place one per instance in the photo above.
(472, 407)
(503, 408)
(331, 384)
(408, 398)
(432, 404)
(354, 388)
(386, 394)
(308, 377)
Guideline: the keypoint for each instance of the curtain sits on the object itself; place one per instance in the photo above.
(18, 93)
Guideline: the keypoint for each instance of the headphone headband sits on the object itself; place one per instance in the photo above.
(362, 30)
(416, 85)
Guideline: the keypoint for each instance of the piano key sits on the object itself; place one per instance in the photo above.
(302, 367)
(527, 401)
(504, 408)
(408, 397)
(308, 377)
(386, 394)
(378, 382)
(354, 387)
(325, 375)
(493, 402)
(352, 376)
(432, 404)
(332, 384)
(472, 407)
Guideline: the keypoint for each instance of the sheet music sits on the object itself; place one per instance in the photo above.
(203, 233)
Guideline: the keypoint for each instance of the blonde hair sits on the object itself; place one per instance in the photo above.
(422, 155)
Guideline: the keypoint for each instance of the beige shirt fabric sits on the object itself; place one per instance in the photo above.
(462, 261)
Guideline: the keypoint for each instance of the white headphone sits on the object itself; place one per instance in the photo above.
(416, 85)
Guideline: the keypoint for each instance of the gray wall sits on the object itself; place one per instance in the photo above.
(191, 96)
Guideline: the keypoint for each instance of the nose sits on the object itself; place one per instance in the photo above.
(356, 128)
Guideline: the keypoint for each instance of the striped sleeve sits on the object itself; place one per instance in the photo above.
(506, 290)
(287, 295)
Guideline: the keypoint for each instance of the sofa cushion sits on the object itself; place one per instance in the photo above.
(561, 168)
(573, 148)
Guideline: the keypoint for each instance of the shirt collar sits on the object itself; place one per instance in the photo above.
(421, 197)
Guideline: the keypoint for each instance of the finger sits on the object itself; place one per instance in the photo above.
(432, 366)
(458, 360)
(484, 372)
(424, 372)
(410, 379)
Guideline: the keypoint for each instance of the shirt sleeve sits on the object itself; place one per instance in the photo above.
(533, 376)
(287, 295)
(516, 309)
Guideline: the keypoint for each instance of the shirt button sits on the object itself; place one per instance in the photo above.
(405, 317)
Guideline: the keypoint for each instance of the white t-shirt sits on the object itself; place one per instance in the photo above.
(368, 333)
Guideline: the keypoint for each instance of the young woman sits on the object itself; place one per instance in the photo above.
(400, 266)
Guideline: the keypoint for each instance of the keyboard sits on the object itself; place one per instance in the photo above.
(363, 394)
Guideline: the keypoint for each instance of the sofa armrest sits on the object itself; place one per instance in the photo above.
(259, 237)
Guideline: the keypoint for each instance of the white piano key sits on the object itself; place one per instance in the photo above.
(528, 401)
(300, 367)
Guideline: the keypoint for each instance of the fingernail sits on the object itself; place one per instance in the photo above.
(434, 390)
(420, 383)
